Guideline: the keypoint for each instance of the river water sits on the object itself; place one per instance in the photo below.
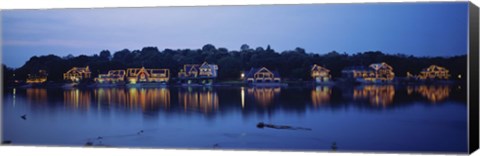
(383, 118)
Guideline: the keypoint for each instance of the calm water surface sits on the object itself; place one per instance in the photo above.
(362, 118)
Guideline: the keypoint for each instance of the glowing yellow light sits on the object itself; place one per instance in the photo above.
(14, 90)
(133, 81)
(242, 75)
(434, 93)
(459, 76)
(242, 93)
(321, 95)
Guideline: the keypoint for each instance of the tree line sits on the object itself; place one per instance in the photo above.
(291, 64)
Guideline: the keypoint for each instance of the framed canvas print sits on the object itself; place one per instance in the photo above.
(359, 77)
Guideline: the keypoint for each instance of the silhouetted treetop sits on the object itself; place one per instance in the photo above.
(291, 64)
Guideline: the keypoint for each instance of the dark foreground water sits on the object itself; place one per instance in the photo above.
(363, 118)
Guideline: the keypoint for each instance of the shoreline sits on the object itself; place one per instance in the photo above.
(231, 83)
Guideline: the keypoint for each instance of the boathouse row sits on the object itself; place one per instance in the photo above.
(206, 73)
(198, 73)
(377, 72)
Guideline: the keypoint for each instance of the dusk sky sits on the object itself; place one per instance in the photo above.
(421, 29)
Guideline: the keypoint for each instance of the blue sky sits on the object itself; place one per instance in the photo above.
(421, 29)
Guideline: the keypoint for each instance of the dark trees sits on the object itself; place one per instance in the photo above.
(291, 64)
(8, 75)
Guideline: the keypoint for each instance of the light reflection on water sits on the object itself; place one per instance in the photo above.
(76, 99)
(206, 99)
(376, 95)
(263, 96)
(197, 112)
(434, 94)
(321, 95)
(36, 96)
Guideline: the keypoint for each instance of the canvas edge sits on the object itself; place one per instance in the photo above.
(1, 77)
(473, 78)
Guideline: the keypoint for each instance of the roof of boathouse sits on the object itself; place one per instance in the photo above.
(252, 72)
